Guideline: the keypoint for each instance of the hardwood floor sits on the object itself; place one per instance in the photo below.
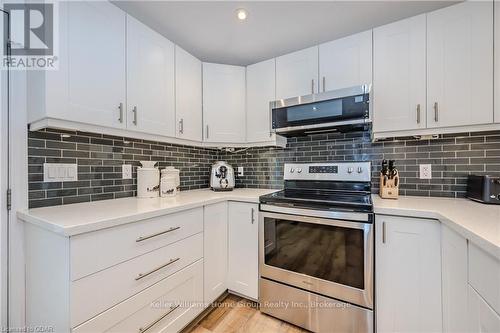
(236, 314)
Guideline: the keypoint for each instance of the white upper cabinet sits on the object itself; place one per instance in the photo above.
(90, 85)
(460, 65)
(243, 272)
(223, 103)
(408, 274)
(188, 96)
(497, 61)
(261, 89)
(297, 73)
(346, 62)
(150, 80)
(399, 80)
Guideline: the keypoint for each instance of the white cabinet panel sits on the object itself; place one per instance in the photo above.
(460, 65)
(454, 277)
(91, 82)
(215, 251)
(482, 318)
(150, 80)
(346, 62)
(399, 79)
(297, 73)
(261, 89)
(497, 61)
(188, 95)
(408, 274)
(243, 274)
(223, 103)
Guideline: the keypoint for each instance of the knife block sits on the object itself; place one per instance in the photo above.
(389, 188)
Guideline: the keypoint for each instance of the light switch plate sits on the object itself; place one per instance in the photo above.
(127, 171)
(425, 171)
(60, 172)
(240, 171)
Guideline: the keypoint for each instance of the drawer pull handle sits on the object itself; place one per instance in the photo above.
(143, 275)
(144, 329)
(143, 238)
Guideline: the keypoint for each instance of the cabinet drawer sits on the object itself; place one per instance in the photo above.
(95, 251)
(484, 275)
(183, 289)
(95, 293)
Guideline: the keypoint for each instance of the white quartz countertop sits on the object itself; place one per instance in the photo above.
(477, 222)
(480, 223)
(70, 220)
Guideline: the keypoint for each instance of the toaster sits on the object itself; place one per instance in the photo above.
(485, 189)
(222, 177)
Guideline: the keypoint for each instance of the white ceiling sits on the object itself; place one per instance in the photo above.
(210, 31)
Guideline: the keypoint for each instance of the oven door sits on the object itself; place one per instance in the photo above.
(327, 256)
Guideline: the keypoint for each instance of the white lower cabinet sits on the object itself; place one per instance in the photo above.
(482, 318)
(167, 306)
(215, 251)
(243, 274)
(407, 275)
(454, 281)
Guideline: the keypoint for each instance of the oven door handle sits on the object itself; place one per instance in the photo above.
(317, 220)
(323, 214)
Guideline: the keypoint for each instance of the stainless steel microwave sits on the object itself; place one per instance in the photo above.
(342, 109)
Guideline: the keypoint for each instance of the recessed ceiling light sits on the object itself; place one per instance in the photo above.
(241, 14)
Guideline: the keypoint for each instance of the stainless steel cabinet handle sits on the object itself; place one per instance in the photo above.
(312, 86)
(145, 328)
(181, 126)
(120, 107)
(143, 275)
(143, 238)
(383, 233)
(418, 113)
(134, 110)
(253, 215)
(436, 112)
(207, 131)
(324, 83)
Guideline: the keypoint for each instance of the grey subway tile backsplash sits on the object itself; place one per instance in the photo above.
(100, 156)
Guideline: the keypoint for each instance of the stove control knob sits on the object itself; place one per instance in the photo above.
(299, 170)
(292, 170)
(350, 170)
(360, 169)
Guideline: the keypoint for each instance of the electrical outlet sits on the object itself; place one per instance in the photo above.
(240, 171)
(425, 171)
(127, 171)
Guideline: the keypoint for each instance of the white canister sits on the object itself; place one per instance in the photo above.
(172, 171)
(148, 180)
(168, 186)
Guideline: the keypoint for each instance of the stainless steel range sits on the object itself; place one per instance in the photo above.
(316, 248)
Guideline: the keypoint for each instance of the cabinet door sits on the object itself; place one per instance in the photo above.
(215, 251)
(460, 65)
(224, 103)
(188, 97)
(243, 273)
(261, 89)
(408, 274)
(482, 318)
(399, 79)
(297, 73)
(346, 62)
(150, 80)
(497, 61)
(93, 63)
(454, 277)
